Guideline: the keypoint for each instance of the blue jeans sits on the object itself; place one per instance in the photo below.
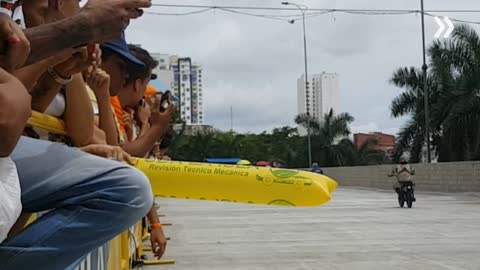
(90, 199)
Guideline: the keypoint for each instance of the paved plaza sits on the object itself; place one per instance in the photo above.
(358, 230)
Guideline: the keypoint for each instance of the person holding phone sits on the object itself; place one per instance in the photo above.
(165, 101)
(131, 96)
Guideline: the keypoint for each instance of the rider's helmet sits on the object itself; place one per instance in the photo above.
(403, 160)
(315, 165)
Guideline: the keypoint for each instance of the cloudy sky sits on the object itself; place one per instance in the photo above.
(253, 64)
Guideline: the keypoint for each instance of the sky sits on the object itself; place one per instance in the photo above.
(252, 64)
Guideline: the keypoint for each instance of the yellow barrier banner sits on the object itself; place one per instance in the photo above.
(225, 183)
(47, 122)
(237, 184)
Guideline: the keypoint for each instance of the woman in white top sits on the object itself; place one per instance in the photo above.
(56, 85)
(14, 112)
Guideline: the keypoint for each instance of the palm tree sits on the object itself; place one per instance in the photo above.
(328, 135)
(411, 137)
(456, 67)
(453, 84)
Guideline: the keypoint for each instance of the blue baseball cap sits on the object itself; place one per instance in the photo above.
(120, 47)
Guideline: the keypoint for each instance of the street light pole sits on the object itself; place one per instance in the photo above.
(425, 89)
(307, 91)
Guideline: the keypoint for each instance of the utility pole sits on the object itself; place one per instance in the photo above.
(425, 89)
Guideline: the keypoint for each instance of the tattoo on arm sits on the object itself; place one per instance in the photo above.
(48, 39)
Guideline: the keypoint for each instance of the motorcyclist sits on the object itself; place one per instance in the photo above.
(404, 173)
(316, 168)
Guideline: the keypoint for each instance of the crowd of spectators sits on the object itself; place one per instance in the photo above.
(74, 63)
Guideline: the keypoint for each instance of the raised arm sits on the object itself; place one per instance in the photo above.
(79, 112)
(159, 123)
(52, 81)
(98, 21)
(99, 82)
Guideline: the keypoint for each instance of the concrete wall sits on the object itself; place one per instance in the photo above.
(438, 177)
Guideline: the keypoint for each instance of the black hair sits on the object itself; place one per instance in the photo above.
(137, 72)
(106, 53)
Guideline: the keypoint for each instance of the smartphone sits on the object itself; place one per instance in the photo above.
(165, 101)
(91, 48)
(142, 103)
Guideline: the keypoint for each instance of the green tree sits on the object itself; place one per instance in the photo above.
(456, 67)
(329, 133)
(411, 137)
(453, 85)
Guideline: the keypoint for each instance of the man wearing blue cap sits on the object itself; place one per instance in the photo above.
(116, 58)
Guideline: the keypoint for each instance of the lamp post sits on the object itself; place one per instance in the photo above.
(302, 9)
(425, 89)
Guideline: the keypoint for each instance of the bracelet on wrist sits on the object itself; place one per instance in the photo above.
(57, 77)
(156, 226)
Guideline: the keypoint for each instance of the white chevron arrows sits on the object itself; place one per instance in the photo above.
(442, 28)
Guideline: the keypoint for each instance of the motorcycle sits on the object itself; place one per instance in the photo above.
(406, 194)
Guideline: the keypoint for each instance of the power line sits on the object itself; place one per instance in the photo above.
(179, 14)
(311, 13)
(319, 9)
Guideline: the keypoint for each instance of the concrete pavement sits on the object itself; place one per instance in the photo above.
(357, 230)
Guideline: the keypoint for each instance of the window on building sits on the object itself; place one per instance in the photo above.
(183, 85)
(188, 99)
(188, 117)
(185, 77)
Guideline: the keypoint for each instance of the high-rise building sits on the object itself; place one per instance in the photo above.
(321, 96)
(163, 70)
(184, 79)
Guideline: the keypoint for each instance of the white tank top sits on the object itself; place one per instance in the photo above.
(57, 107)
(11, 204)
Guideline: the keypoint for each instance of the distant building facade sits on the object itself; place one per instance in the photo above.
(184, 78)
(384, 142)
